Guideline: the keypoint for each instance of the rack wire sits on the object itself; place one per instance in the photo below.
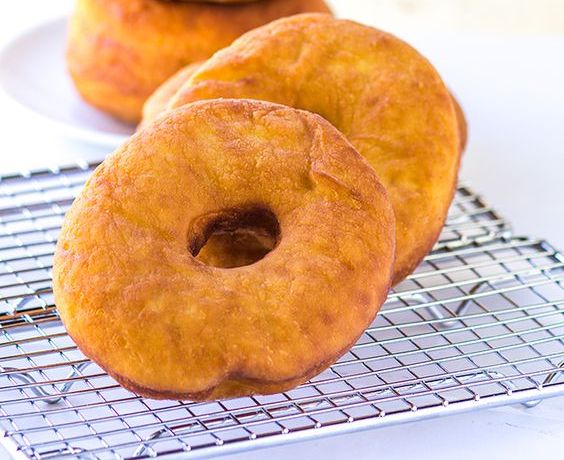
(480, 323)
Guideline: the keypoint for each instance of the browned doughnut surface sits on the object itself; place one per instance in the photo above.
(385, 97)
(461, 118)
(157, 103)
(120, 51)
(136, 300)
(225, 249)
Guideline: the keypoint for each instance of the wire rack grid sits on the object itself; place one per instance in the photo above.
(480, 323)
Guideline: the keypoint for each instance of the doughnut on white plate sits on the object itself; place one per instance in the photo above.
(33, 74)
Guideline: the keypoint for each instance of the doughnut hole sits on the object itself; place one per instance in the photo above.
(234, 237)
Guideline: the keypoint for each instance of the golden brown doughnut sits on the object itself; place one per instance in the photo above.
(120, 51)
(385, 97)
(135, 299)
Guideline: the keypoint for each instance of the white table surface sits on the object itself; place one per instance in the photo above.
(511, 87)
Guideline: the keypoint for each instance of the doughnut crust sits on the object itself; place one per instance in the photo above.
(157, 102)
(120, 51)
(386, 98)
(460, 117)
(136, 300)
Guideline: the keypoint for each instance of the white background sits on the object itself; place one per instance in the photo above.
(505, 62)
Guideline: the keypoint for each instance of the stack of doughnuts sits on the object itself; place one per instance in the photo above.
(243, 239)
(120, 51)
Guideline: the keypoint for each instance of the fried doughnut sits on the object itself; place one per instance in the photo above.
(133, 296)
(386, 98)
(120, 51)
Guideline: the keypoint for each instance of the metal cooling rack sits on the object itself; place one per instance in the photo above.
(481, 323)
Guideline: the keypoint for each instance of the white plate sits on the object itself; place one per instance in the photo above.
(33, 73)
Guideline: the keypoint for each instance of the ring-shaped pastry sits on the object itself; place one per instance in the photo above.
(135, 298)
